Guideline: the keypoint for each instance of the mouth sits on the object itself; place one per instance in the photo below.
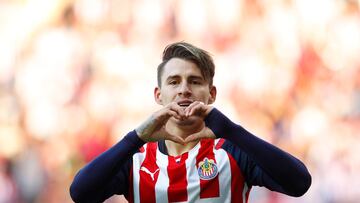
(185, 103)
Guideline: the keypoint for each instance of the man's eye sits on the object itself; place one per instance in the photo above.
(173, 82)
(196, 82)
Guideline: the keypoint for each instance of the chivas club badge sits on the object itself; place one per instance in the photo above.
(207, 169)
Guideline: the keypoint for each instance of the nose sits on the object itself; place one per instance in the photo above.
(184, 90)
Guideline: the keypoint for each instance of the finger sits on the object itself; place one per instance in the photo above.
(193, 137)
(187, 109)
(174, 114)
(172, 109)
(190, 107)
(178, 109)
(164, 115)
(205, 133)
(199, 108)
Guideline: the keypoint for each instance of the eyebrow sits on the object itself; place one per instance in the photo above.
(196, 77)
(172, 77)
(191, 77)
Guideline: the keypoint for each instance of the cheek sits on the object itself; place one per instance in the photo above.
(204, 95)
(167, 96)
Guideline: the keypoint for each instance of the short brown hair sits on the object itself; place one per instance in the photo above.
(189, 52)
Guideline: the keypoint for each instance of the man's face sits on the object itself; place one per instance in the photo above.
(182, 82)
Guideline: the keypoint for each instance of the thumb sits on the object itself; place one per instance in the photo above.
(176, 139)
(204, 133)
(167, 136)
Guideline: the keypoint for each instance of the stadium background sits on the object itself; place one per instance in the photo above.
(75, 76)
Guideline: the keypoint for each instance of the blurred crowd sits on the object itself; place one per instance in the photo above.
(77, 75)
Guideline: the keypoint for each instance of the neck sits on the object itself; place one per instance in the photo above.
(175, 149)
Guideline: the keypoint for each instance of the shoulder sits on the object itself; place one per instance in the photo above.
(233, 151)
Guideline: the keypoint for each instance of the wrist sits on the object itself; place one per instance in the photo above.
(134, 138)
(140, 134)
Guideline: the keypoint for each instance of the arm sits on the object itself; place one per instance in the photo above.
(106, 175)
(283, 172)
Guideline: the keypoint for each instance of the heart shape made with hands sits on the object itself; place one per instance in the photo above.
(153, 129)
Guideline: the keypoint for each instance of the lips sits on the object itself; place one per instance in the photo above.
(184, 103)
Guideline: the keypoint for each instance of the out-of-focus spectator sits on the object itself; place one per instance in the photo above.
(8, 188)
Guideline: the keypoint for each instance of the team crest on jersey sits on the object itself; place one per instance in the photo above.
(207, 169)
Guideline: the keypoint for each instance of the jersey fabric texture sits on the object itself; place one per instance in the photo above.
(207, 173)
(220, 170)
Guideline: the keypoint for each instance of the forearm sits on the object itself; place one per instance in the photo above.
(91, 180)
(289, 172)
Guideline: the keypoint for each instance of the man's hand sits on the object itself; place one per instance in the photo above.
(204, 133)
(199, 109)
(153, 129)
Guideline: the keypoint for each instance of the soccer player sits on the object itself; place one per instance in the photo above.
(188, 151)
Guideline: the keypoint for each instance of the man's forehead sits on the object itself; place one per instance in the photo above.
(179, 67)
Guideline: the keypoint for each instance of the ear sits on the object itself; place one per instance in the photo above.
(212, 97)
(157, 95)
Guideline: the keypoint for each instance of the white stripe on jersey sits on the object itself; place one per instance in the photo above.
(223, 164)
(138, 159)
(192, 175)
(163, 181)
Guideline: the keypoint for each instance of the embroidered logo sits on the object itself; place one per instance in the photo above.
(143, 168)
(207, 169)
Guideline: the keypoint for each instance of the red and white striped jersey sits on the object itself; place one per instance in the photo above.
(206, 173)
(221, 170)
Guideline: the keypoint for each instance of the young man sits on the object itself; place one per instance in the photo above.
(188, 151)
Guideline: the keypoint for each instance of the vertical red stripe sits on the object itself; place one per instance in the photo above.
(208, 188)
(148, 181)
(177, 190)
(237, 181)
